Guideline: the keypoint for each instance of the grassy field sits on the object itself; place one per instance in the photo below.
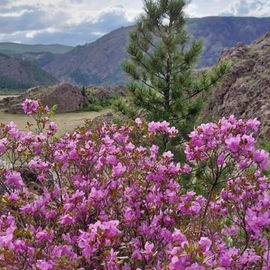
(66, 122)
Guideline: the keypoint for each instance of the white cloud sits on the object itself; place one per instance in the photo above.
(79, 10)
(15, 14)
(98, 34)
(34, 33)
(76, 21)
(80, 21)
(192, 10)
(254, 8)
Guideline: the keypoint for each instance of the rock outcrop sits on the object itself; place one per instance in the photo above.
(68, 98)
(106, 91)
(245, 92)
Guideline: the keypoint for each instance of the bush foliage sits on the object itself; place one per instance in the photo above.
(97, 200)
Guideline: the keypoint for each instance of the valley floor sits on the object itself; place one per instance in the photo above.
(66, 122)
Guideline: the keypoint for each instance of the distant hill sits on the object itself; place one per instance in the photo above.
(19, 75)
(99, 62)
(10, 48)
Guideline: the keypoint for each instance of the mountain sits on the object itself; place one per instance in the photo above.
(218, 33)
(99, 62)
(10, 48)
(17, 74)
(95, 63)
(245, 92)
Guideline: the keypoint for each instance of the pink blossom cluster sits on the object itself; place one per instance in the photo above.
(164, 126)
(98, 200)
(30, 106)
(228, 140)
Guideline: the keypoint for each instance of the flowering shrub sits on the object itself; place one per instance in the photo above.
(94, 200)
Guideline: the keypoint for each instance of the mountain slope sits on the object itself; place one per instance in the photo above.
(246, 90)
(95, 63)
(99, 62)
(10, 48)
(37, 58)
(17, 74)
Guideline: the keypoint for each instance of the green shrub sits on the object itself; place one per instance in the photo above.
(95, 104)
(93, 107)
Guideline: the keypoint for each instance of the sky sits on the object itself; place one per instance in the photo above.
(74, 22)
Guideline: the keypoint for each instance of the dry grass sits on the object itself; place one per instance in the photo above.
(4, 96)
(66, 122)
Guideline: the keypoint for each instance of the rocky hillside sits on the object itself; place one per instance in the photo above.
(68, 98)
(246, 90)
(17, 74)
(99, 62)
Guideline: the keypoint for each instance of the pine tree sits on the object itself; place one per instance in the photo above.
(164, 85)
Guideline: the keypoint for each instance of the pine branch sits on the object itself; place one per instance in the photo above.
(214, 81)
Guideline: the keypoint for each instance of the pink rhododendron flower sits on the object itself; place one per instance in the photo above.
(119, 170)
(30, 106)
(138, 121)
(205, 243)
(148, 249)
(14, 179)
(44, 265)
(66, 220)
(3, 144)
